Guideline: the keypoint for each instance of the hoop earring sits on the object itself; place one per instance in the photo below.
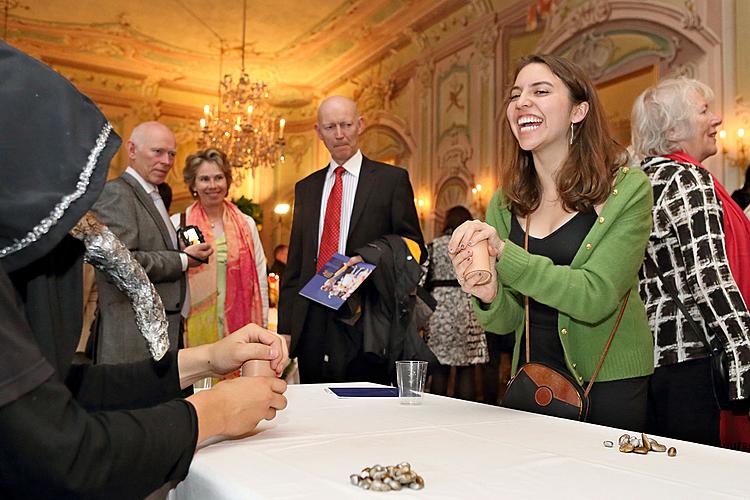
(571, 133)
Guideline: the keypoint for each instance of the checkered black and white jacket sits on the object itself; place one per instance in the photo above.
(687, 241)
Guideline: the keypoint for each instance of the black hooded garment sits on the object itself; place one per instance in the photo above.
(67, 431)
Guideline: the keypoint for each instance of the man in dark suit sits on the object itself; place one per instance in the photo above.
(340, 208)
(133, 209)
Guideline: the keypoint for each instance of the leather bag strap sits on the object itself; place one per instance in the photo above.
(611, 336)
(609, 343)
(526, 298)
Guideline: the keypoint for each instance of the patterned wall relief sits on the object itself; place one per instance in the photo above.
(117, 117)
(568, 17)
(452, 192)
(610, 38)
(374, 92)
(602, 54)
(453, 100)
(383, 143)
(297, 147)
(454, 153)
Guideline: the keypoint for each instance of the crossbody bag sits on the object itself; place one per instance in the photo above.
(539, 388)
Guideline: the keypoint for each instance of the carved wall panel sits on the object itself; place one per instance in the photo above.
(452, 192)
(385, 144)
(453, 100)
(618, 42)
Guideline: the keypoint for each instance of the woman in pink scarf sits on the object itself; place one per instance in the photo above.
(231, 289)
(698, 261)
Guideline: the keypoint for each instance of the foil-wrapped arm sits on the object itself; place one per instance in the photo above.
(107, 253)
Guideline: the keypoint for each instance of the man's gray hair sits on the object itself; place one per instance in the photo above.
(663, 115)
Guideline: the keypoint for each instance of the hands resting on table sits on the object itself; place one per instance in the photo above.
(234, 407)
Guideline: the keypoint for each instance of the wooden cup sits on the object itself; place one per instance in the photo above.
(257, 368)
(480, 263)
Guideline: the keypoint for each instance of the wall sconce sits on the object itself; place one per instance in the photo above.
(421, 204)
(281, 209)
(476, 193)
(740, 156)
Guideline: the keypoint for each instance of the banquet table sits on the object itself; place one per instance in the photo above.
(461, 449)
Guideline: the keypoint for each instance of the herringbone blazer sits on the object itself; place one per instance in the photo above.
(130, 213)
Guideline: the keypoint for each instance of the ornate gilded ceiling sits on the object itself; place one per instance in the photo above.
(303, 48)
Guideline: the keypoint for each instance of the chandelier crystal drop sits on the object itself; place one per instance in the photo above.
(243, 124)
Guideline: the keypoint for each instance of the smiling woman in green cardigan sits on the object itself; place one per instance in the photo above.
(588, 221)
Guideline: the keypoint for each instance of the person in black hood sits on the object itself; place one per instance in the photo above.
(82, 431)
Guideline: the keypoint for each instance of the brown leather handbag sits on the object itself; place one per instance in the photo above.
(538, 388)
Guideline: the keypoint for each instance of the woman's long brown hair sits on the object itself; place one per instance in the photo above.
(585, 179)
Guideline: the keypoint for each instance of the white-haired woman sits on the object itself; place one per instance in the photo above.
(698, 255)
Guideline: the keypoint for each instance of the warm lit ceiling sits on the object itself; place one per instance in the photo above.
(299, 46)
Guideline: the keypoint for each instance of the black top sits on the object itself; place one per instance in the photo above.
(742, 198)
(80, 431)
(277, 268)
(67, 431)
(559, 246)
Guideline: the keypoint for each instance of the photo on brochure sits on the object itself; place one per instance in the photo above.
(336, 281)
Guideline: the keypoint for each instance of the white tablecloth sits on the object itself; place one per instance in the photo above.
(462, 449)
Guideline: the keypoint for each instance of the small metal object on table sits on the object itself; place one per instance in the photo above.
(388, 478)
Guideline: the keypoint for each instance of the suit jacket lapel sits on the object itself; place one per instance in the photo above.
(148, 203)
(364, 188)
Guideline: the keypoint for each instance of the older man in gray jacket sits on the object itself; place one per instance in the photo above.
(133, 209)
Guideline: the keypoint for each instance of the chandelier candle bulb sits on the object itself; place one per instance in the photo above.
(282, 123)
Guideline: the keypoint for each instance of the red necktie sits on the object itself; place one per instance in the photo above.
(329, 241)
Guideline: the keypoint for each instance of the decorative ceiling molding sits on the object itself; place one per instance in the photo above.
(563, 28)
(564, 22)
(409, 23)
(349, 37)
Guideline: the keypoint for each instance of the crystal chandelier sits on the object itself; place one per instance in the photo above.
(243, 124)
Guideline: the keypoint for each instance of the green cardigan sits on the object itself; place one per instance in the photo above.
(588, 293)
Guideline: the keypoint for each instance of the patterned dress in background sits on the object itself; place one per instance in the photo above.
(452, 333)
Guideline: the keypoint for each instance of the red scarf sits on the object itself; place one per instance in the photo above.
(736, 231)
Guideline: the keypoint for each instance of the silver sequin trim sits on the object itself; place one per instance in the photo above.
(59, 210)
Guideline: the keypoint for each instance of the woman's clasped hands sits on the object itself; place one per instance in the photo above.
(461, 249)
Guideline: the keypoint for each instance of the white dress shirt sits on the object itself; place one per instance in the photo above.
(350, 178)
(153, 192)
